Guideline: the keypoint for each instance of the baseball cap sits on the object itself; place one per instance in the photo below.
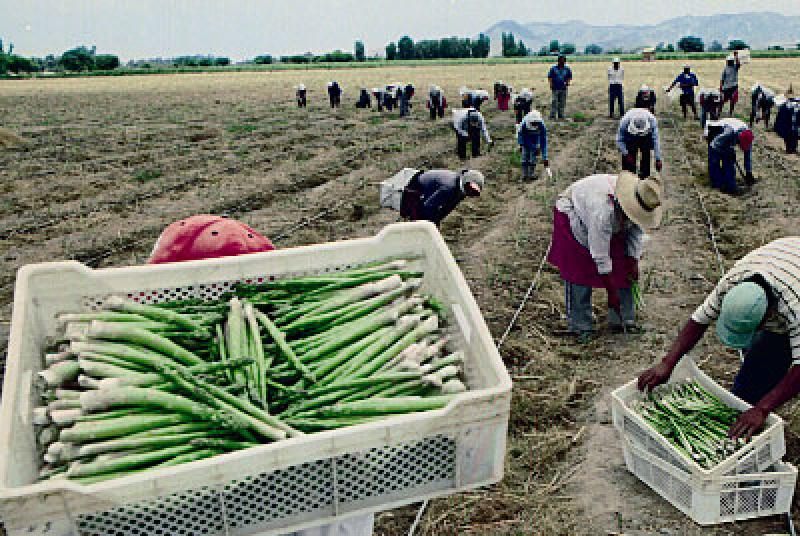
(743, 309)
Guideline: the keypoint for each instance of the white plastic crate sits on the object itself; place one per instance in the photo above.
(714, 500)
(761, 452)
(270, 489)
(391, 190)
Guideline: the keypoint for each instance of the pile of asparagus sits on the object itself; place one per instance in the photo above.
(134, 386)
(695, 421)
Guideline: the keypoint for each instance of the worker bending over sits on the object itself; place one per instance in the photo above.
(300, 95)
(469, 125)
(787, 124)
(756, 309)
(522, 104)
(729, 81)
(502, 94)
(638, 134)
(335, 94)
(710, 102)
(434, 194)
(532, 139)
(646, 98)
(762, 100)
(436, 102)
(723, 136)
(364, 100)
(404, 95)
(616, 77)
(598, 239)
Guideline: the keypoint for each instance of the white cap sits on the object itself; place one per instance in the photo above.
(473, 176)
(301, 86)
(644, 87)
(616, 60)
(525, 92)
(532, 118)
(731, 58)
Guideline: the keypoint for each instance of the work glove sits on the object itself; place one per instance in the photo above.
(659, 165)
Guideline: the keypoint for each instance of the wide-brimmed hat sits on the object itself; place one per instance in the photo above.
(641, 199)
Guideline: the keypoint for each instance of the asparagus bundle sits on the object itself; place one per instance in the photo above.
(695, 421)
(136, 386)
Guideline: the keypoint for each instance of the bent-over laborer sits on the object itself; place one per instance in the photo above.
(559, 77)
(532, 139)
(598, 239)
(335, 94)
(756, 307)
(787, 123)
(405, 94)
(710, 100)
(436, 102)
(646, 99)
(300, 95)
(522, 104)
(616, 93)
(364, 100)
(502, 94)
(729, 82)
(762, 100)
(205, 237)
(723, 136)
(687, 81)
(432, 195)
(638, 134)
(469, 125)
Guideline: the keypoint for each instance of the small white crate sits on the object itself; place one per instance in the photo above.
(761, 452)
(391, 190)
(270, 489)
(714, 500)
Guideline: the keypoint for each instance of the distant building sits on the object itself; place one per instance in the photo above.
(649, 54)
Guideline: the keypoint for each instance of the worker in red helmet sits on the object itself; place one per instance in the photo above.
(207, 237)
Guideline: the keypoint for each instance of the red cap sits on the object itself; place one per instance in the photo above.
(746, 139)
(205, 237)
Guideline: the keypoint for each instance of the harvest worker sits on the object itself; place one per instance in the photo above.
(405, 95)
(756, 309)
(687, 81)
(616, 76)
(559, 78)
(638, 133)
(787, 124)
(646, 98)
(335, 94)
(532, 138)
(522, 104)
(710, 101)
(502, 94)
(469, 125)
(598, 239)
(364, 100)
(434, 194)
(436, 102)
(205, 237)
(762, 100)
(729, 81)
(300, 94)
(723, 137)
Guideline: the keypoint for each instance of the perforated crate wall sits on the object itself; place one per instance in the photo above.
(281, 498)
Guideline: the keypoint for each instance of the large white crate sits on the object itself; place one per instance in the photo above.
(270, 489)
(761, 452)
(714, 500)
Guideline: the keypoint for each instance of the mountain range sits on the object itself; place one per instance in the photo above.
(759, 30)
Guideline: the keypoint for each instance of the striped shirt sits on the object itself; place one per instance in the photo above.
(778, 263)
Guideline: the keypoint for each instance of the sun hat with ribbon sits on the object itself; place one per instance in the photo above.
(640, 199)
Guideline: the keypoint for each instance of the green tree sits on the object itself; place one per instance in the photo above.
(670, 48)
(737, 44)
(391, 51)
(360, 52)
(106, 62)
(554, 46)
(481, 47)
(691, 44)
(18, 64)
(77, 59)
(405, 48)
(593, 49)
(775, 47)
(544, 51)
(522, 50)
(567, 48)
(264, 59)
(716, 46)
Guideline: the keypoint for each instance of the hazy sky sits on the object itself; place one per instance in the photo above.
(244, 28)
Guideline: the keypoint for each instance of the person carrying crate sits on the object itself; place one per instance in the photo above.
(532, 139)
(710, 100)
(616, 95)
(205, 236)
(756, 308)
(638, 134)
(723, 136)
(598, 239)
(522, 104)
(687, 81)
(646, 99)
(436, 102)
(300, 95)
(729, 82)
(787, 124)
(559, 78)
(469, 125)
(432, 195)
(762, 100)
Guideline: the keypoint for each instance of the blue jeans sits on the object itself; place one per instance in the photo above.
(615, 94)
(765, 364)
(722, 170)
(579, 308)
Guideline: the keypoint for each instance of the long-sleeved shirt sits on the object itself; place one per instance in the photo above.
(762, 96)
(787, 122)
(623, 135)
(687, 83)
(533, 138)
(730, 76)
(440, 193)
(616, 76)
(594, 218)
(461, 123)
(778, 263)
(560, 77)
(728, 138)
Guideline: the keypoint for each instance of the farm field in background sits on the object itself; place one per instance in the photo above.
(110, 161)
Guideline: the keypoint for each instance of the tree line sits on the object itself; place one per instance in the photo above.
(447, 47)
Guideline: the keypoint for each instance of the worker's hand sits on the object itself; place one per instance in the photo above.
(654, 376)
(630, 159)
(659, 165)
(748, 424)
(634, 271)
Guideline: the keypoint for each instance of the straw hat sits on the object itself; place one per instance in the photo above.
(641, 200)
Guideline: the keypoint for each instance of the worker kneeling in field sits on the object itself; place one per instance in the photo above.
(335, 94)
(638, 133)
(787, 124)
(434, 194)
(532, 139)
(710, 101)
(756, 309)
(523, 104)
(762, 100)
(436, 102)
(687, 81)
(364, 100)
(598, 239)
(300, 94)
(723, 136)
(205, 236)
(469, 125)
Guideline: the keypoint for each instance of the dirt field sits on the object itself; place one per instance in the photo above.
(110, 161)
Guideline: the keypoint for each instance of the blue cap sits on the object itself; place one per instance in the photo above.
(743, 310)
